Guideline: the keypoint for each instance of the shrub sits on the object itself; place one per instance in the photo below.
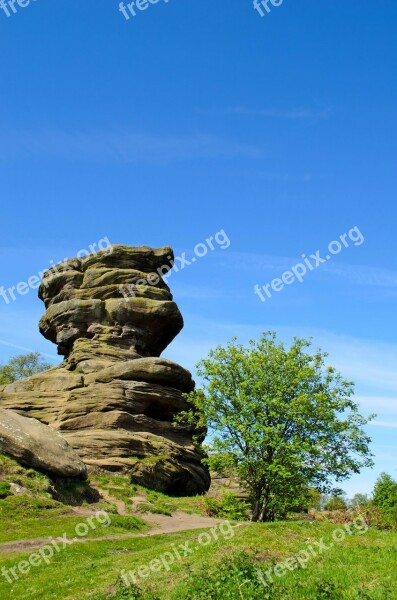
(229, 507)
(334, 516)
(385, 500)
(336, 503)
(376, 517)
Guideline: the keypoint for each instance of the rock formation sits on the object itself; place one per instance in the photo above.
(34, 444)
(113, 398)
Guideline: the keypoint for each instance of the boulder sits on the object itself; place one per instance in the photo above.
(34, 444)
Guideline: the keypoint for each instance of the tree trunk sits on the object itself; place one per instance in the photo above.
(266, 514)
(256, 505)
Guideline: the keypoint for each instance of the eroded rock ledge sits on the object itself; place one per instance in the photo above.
(113, 398)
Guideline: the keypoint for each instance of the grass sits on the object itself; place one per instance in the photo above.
(29, 479)
(362, 566)
(29, 518)
(5, 489)
(120, 487)
(35, 513)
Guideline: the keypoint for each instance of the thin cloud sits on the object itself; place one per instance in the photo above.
(362, 275)
(371, 364)
(377, 403)
(271, 113)
(388, 424)
(24, 349)
(120, 146)
(194, 292)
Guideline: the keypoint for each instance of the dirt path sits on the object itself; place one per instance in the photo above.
(119, 504)
(179, 521)
(161, 524)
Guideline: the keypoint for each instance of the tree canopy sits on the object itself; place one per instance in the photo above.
(22, 366)
(385, 497)
(283, 419)
(336, 503)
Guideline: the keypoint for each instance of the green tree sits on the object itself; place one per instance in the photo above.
(359, 500)
(282, 419)
(336, 503)
(22, 366)
(314, 499)
(385, 497)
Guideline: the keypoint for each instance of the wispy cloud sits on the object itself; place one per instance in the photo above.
(376, 403)
(271, 113)
(120, 146)
(25, 349)
(388, 424)
(362, 275)
(19, 333)
(197, 292)
(371, 364)
(365, 275)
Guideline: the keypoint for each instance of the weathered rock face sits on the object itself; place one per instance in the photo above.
(36, 445)
(113, 398)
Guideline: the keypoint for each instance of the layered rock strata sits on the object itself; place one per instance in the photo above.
(113, 398)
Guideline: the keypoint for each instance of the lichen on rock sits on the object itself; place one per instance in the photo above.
(113, 398)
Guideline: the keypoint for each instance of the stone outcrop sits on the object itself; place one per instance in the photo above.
(113, 398)
(34, 444)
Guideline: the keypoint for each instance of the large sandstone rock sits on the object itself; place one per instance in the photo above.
(36, 445)
(113, 398)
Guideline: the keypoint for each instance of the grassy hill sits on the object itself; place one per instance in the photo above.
(115, 555)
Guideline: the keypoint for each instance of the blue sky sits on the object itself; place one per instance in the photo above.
(196, 117)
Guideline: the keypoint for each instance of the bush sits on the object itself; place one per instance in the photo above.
(385, 500)
(337, 517)
(229, 507)
(376, 517)
(336, 503)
